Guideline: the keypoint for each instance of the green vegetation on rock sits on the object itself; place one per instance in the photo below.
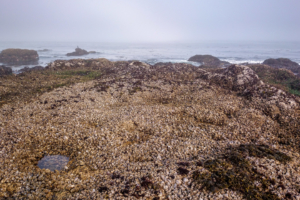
(27, 85)
(280, 78)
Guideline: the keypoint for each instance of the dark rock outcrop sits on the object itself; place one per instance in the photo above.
(19, 56)
(27, 69)
(209, 61)
(44, 50)
(5, 70)
(283, 63)
(78, 52)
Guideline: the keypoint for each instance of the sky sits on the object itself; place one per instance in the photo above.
(149, 20)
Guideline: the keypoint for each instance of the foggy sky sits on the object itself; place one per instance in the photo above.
(149, 20)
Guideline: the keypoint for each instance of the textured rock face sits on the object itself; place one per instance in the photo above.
(5, 70)
(283, 63)
(209, 61)
(19, 56)
(78, 52)
(143, 131)
(234, 77)
(95, 64)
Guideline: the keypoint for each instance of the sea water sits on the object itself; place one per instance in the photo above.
(233, 52)
(53, 162)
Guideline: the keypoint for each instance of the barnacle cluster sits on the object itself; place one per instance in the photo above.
(132, 130)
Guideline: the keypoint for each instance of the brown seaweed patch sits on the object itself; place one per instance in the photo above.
(234, 172)
(261, 151)
(183, 171)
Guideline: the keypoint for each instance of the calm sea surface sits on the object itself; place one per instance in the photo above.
(234, 52)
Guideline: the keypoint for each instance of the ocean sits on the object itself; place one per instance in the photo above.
(233, 52)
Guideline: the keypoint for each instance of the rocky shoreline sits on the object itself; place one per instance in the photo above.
(167, 131)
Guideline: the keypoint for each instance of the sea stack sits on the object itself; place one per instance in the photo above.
(209, 61)
(78, 52)
(19, 57)
(283, 63)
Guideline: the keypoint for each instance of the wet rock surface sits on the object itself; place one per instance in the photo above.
(209, 61)
(19, 56)
(5, 70)
(168, 131)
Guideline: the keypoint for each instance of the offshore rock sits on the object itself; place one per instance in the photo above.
(44, 50)
(19, 56)
(78, 52)
(5, 70)
(209, 61)
(283, 63)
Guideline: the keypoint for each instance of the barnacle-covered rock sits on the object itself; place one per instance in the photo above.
(142, 131)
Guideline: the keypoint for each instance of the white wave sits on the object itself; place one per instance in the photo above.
(243, 61)
(154, 61)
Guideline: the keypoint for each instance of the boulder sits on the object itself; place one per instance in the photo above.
(209, 61)
(27, 69)
(78, 52)
(237, 78)
(5, 70)
(283, 63)
(19, 56)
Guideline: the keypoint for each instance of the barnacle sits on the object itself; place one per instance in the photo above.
(135, 130)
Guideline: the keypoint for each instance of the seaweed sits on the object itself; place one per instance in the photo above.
(31, 84)
(182, 171)
(234, 172)
(264, 151)
(134, 90)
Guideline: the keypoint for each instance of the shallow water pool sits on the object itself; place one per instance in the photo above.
(53, 162)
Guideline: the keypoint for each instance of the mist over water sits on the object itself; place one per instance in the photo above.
(233, 52)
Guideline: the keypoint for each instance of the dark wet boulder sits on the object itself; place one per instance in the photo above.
(78, 52)
(5, 70)
(19, 56)
(283, 63)
(209, 61)
(27, 69)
